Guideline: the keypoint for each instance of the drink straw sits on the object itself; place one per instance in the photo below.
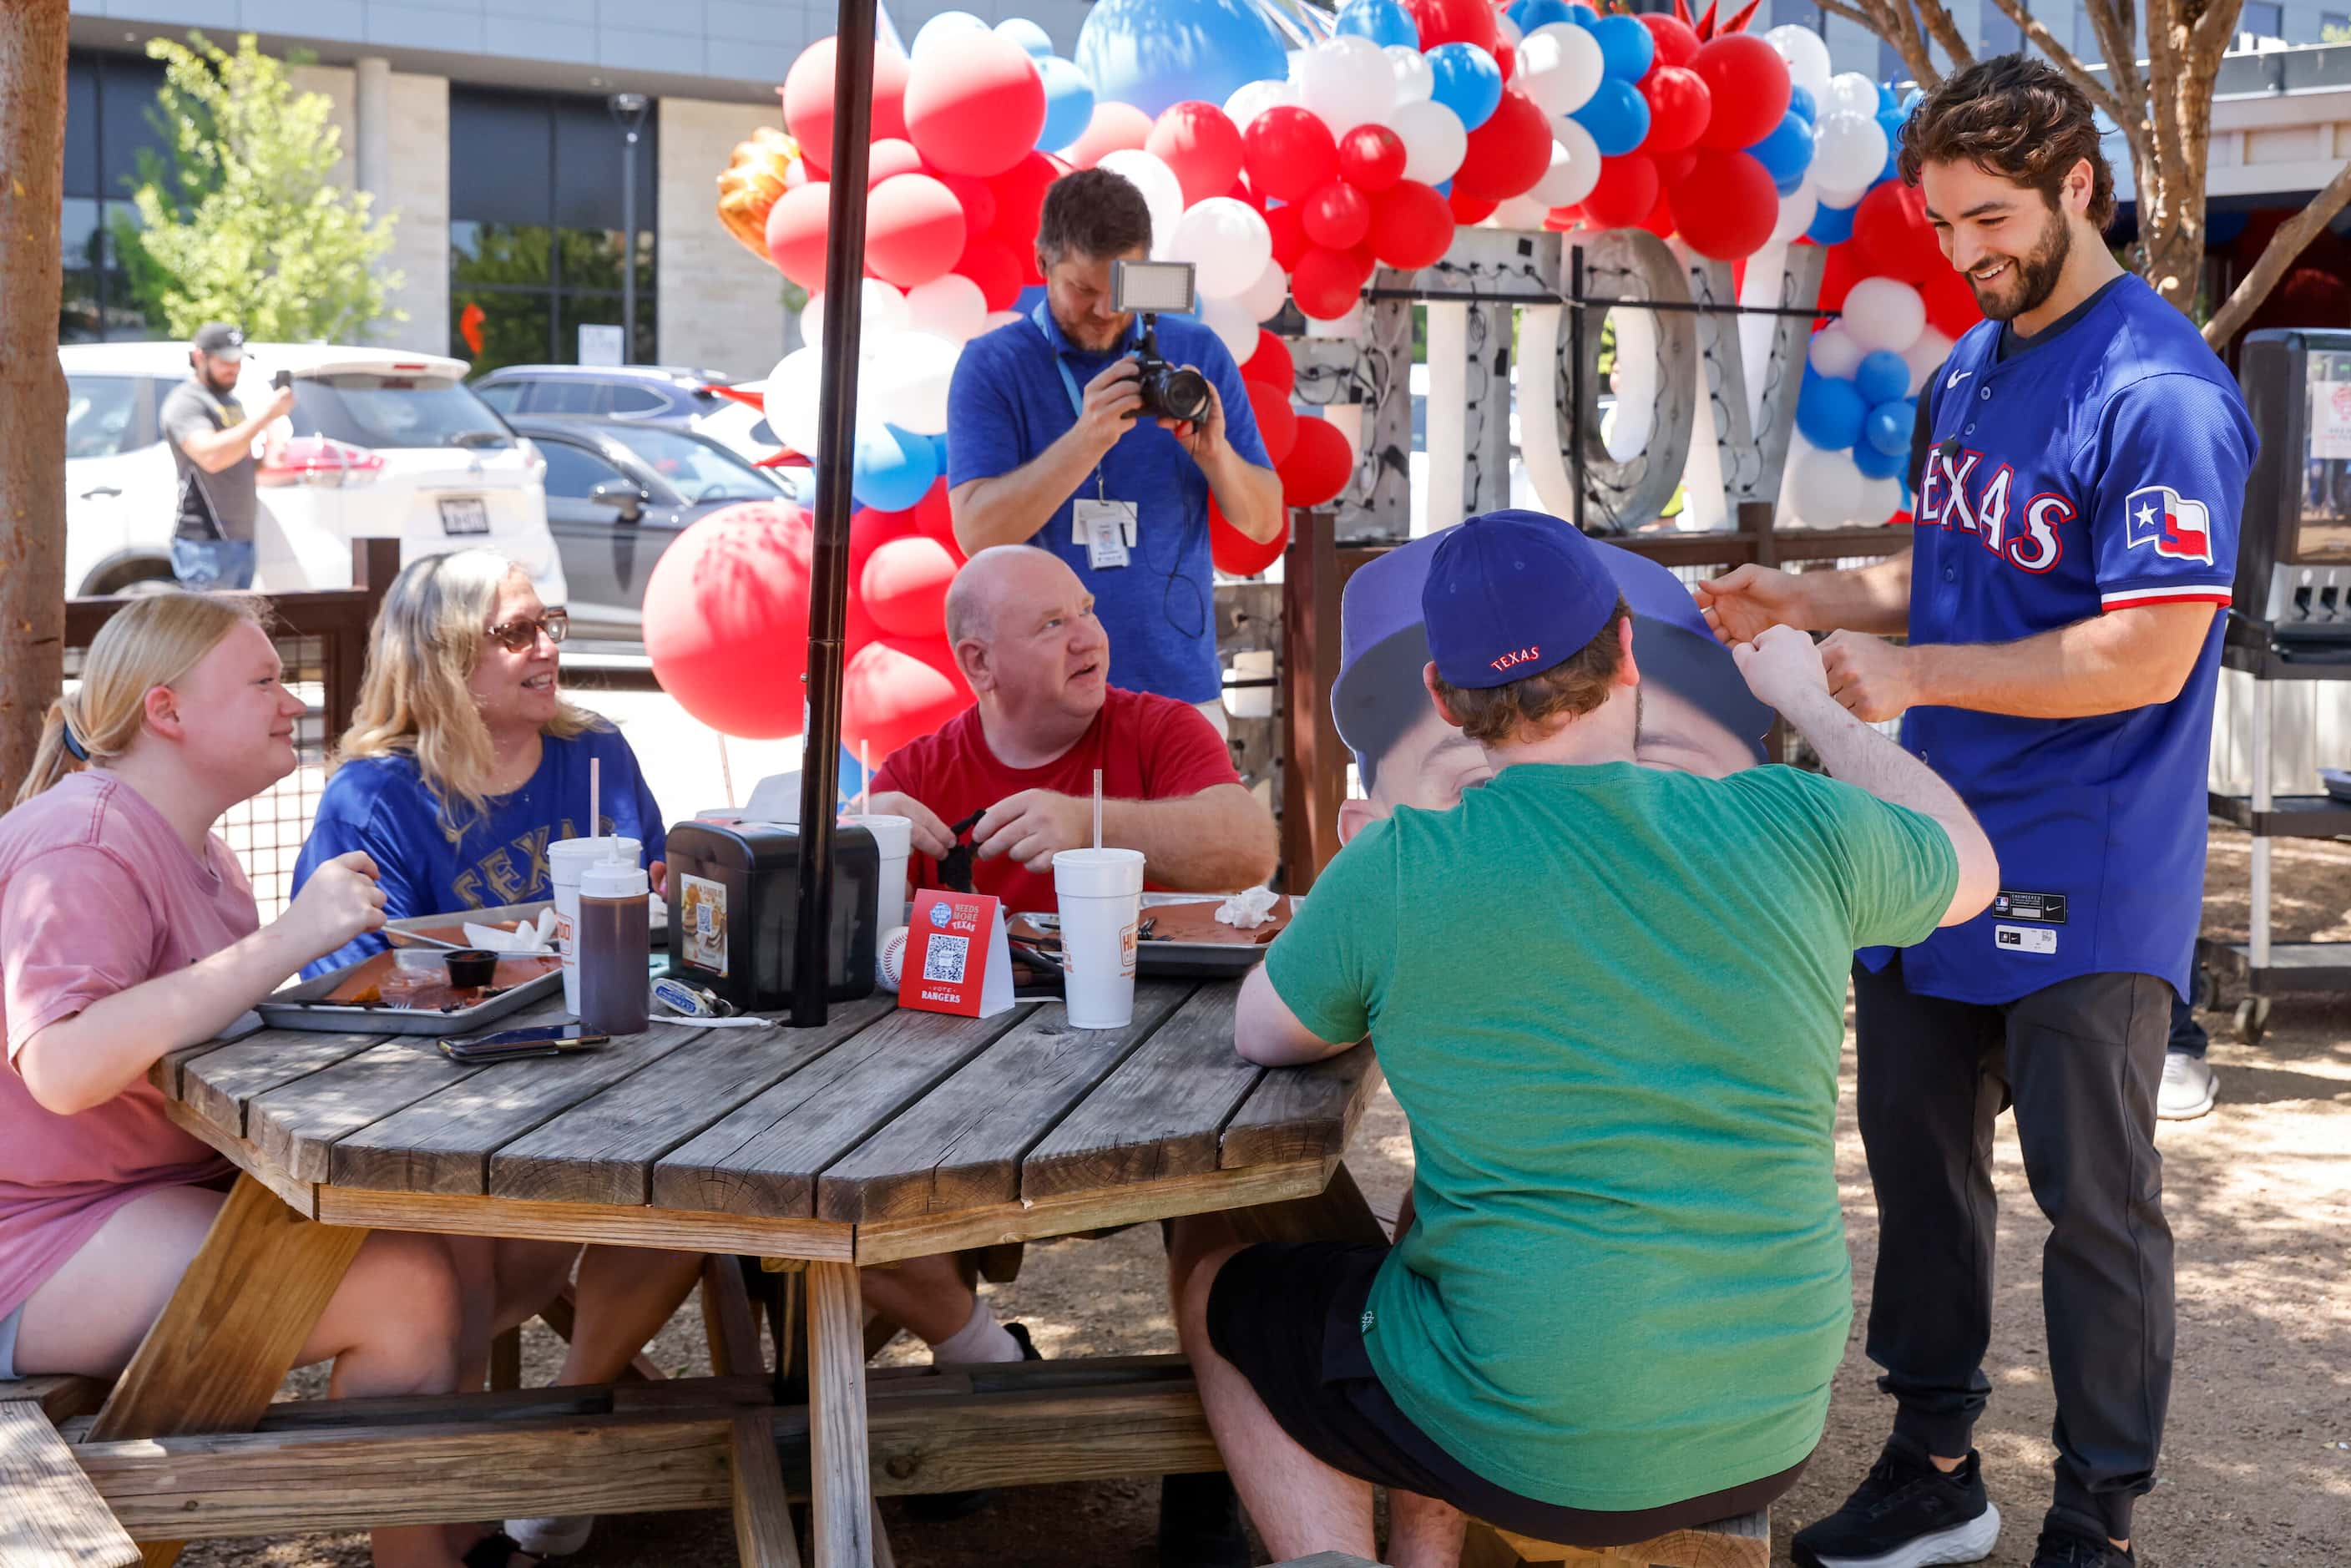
(864, 778)
(1097, 807)
(595, 795)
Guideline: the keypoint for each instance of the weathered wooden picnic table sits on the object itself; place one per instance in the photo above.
(882, 1136)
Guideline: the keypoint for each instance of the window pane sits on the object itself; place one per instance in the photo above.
(79, 317)
(81, 126)
(2262, 19)
(500, 166)
(126, 321)
(496, 329)
(573, 471)
(588, 153)
(126, 86)
(605, 309)
(501, 256)
(99, 414)
(592, 259)
(505, 396)
(697, 469)
(637, 400)
(374, 410)
(569, 394)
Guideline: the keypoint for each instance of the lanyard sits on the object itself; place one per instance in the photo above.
(1069, 382)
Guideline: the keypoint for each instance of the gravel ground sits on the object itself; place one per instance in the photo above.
(2257, 1463)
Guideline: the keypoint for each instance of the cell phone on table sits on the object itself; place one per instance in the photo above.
(514, 1044)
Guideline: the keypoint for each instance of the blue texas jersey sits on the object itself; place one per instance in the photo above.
(2095, 468)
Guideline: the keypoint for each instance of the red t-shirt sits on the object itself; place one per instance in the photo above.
(1148, 748)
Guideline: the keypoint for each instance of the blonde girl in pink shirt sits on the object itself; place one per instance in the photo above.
(128, 930)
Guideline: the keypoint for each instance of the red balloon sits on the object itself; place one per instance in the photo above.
(1673, 168)
(1679, 107)
(1200, 145)
(1508, 154)
(978, 201)
(1890, 227)
(897, 689)
(975, 109)
(869, 530)
(1840, 270)
(913, 229)
(1277, 421)
(725, 619)
(1951, 306)
(1327, 283)
(1242, 193)
(1559, 220)
(1288, 152)
(1270, 361)
(1337, 215)
(808, 99)
(995, 266)
(1371, 158)
(904, 586)
(1238, 554)
(891, 155)
(1318, 468)
(1749, 83)
(1288, 225)
(1507, 59)
(1675, 40)
(1411, 226)
(1454, 22)
(1469, 209)
(1019, 194)
(797, 225)
(1660, 221)
(1727, 206)
(1626, 190)
(934, 519)
(1114, 126)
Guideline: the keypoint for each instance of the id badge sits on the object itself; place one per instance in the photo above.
(1105, 528)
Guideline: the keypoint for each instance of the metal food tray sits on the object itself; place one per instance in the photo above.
(1186, 960)
(303, 1006)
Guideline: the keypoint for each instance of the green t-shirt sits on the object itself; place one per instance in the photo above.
(1610, 1000)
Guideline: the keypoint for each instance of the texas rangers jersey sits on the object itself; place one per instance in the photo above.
(2095, 468)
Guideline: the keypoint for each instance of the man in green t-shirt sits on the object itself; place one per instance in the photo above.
(1610, 1000)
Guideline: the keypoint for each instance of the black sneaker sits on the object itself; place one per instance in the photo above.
(1906, 1515)
(945, 1507)
(2063, 1548)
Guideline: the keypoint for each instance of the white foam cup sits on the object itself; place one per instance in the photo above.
(1100, 896)
(895, 838)
(566, 859)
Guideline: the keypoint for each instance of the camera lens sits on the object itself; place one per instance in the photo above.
(1185, 395)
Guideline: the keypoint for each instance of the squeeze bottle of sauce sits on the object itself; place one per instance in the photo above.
(615, 947)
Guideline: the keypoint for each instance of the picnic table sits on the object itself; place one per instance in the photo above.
(880, 1136)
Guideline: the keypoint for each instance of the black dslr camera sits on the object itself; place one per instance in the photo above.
(1169, 391)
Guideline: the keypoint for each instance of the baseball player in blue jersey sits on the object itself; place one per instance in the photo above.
(2077, 533)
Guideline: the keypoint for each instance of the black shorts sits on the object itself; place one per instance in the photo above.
(1289, 1315)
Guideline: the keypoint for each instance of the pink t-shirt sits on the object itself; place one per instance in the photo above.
(96, 895)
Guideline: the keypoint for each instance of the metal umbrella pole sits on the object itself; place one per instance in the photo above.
(844, 266)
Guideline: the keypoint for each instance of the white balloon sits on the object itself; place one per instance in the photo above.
(1416, 78)
(1924, 357)
(1510, 32)
(1234, 327)
(1524, 213)
(1824, 487)
(1797, 212)
(1833, 353)
(1559, 67)
(1807, 53)
(1883, 313)
(790, 398)
(1162, 192)
(1848, 152)
(1434, 141)
(1851, 92)
(1843, 200)
(1002, 319)
(909, 382)
(1227, 243)
(1880, 499)
(1249, 102)
(1344, 82)
(881, 315)
(1262, 300)
(949, 305)
(942, 31)
(1574, 167)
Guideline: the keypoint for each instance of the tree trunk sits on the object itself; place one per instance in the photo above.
(32, 385)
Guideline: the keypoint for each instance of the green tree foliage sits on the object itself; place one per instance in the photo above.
(245, 221)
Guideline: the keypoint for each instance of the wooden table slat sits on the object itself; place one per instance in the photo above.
(1160, 1114)
(1301, 1112)
(603, 1150)
(764, 1157)
(219, 1085)
(959, 1146)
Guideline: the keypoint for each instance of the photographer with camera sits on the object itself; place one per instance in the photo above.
(212, 439)
(1073, 430)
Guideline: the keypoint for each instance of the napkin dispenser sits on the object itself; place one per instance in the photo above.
(733, 902)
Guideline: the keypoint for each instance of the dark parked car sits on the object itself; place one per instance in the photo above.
(649, 394)
(617, 494)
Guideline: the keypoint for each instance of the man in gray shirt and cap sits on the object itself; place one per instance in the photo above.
(212, 439)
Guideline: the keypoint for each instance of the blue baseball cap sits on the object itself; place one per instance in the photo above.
(1511, 593)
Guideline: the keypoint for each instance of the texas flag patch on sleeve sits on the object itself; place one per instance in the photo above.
(2177, 528)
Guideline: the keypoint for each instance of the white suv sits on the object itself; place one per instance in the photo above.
(380, 444)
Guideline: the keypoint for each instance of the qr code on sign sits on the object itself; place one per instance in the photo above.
(944, 958)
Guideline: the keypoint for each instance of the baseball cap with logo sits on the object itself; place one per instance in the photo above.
(1511, 593)
(220, 340)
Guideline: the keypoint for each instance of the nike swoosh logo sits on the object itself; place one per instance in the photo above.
(1957, 377)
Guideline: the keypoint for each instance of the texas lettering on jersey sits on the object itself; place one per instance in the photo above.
(1961, 489)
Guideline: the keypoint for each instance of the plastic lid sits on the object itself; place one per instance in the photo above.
(614, 879)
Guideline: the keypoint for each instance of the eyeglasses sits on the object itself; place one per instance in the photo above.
(518, 636)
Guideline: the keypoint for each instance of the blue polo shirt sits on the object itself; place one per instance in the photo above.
(2100, 465)
(1008, 403)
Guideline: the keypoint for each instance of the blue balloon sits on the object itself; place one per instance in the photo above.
(1069, 102)
(1384, 22)
(1829, 410)
(1787, 152)
(1883, 377)
(1887, 102)
(1618, 116)
(893, 469)
(1887, 428)
(1787, 185)
(1583, 16)
(1155, 54)
(1031, 37)
(1799, 101)
(1626, 48)
(1877, 465)
(1468, 82)
(1532, 14)
(1831, 226)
